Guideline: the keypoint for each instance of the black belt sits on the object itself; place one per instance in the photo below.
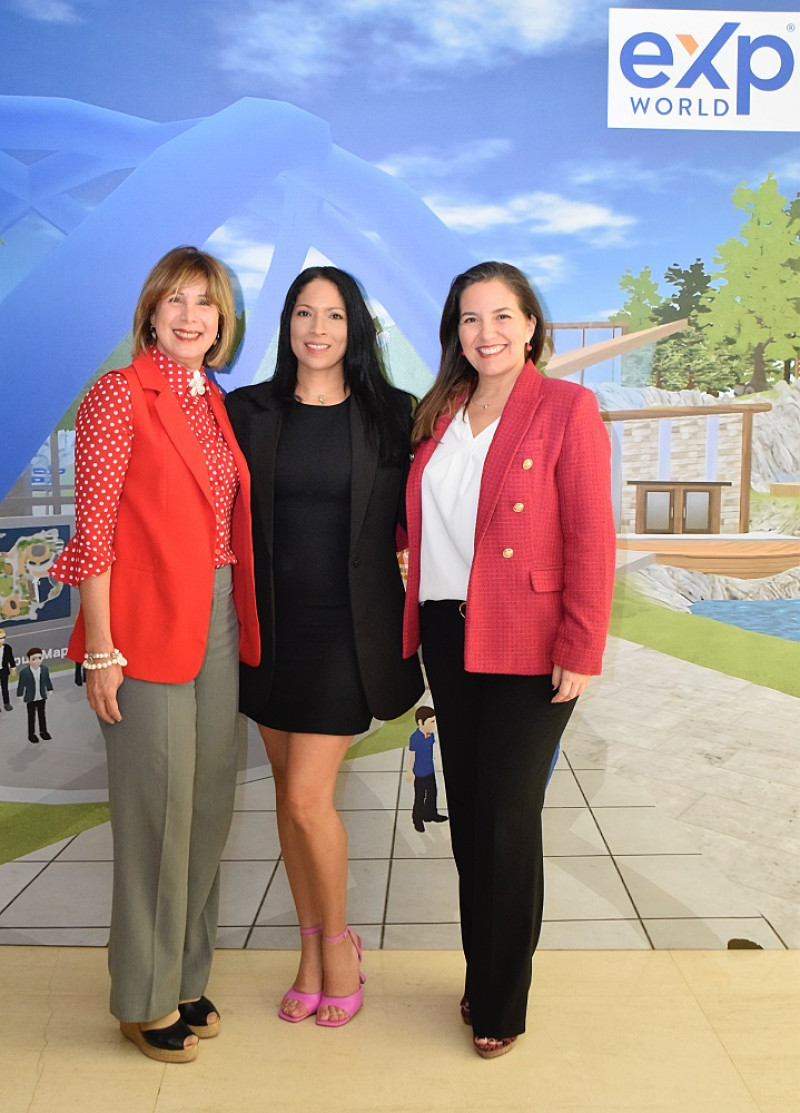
(460, 604)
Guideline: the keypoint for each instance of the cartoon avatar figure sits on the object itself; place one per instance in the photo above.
(33, 685)
(425, 792)
(8, 663)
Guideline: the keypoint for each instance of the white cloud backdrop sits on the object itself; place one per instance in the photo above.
(290, 43)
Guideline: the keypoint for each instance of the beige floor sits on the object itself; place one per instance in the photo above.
(639, 1031)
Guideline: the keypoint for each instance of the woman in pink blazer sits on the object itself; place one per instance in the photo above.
(511, 568)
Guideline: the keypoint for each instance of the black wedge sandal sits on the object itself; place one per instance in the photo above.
(195, 1015)
(165, 1045)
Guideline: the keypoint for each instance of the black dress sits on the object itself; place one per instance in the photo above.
(329, 590)
(316, 685)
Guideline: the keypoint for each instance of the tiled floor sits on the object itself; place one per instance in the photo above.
(619, 873)
(607, 1032)
(670, 822)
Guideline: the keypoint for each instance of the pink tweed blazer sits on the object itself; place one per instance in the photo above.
(543, 571)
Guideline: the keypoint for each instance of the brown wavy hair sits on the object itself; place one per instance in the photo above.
(181, 267)
(457, 377)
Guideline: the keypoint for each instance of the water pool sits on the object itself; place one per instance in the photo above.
(778, 617)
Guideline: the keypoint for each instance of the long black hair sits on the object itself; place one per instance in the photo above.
(364, 376)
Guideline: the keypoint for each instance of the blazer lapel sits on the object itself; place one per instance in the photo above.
(262, 434)
(364, 465)
(174, 421)
(514, 423)
(419, 459)
(427, 448)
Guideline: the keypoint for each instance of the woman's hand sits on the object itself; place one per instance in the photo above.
(567, 685)
(101, 692)
(101, 684)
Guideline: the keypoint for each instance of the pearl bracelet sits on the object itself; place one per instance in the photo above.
(103, 660)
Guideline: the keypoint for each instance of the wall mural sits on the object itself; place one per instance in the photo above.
(391, 141)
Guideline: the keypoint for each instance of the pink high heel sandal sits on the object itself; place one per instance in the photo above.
(353, 1002)
(310, 1001)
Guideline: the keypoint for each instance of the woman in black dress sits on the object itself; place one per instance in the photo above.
(327, 444)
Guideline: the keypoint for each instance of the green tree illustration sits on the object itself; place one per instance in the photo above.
(687, 361)
(756, 308)
(637, 312)
(690, 284)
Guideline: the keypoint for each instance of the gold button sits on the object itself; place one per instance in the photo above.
(518, 507)
(527, 464)
(508, 553)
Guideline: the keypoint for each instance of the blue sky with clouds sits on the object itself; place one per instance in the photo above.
(493, 112)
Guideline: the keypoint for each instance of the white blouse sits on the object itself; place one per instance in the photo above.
(451, 484)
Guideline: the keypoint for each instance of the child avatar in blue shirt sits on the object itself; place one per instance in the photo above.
(421, 746)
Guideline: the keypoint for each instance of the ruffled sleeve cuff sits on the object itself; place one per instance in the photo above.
(81, 559)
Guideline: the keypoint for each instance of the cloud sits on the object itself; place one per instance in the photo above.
(47, 11)
(538, 213)
(456, 161)
(292, 44)
(545, 271)
(786, 170)
(615, 174)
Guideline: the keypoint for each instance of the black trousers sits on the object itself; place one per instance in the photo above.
(36, 708)
(498, 735)
(425, 796)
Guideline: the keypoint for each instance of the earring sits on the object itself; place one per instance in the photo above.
(528, 348)
(153, 331)
(463, 354)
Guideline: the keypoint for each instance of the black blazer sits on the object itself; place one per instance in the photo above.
(377, 596)
(7, 660)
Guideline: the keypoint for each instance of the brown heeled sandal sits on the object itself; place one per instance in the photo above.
(493, 1047)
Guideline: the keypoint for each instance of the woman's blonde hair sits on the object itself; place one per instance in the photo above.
(181, 267)
(457, 379)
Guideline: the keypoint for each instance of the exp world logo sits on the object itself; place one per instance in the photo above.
(702, 70)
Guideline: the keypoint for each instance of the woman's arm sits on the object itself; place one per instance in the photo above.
(103, 441)
(101, 684)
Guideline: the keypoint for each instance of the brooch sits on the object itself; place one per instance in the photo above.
(197, 384)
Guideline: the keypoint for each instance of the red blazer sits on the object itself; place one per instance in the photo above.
(543, 571)
(163, 576)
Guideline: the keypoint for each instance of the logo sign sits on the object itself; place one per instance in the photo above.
(703, 71)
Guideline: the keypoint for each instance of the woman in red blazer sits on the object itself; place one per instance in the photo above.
(163, 560)
(511, 567)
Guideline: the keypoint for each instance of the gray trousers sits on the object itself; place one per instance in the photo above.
(171, 782)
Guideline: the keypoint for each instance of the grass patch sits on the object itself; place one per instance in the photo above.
(759, 658)
(28, 827)
(393, 735)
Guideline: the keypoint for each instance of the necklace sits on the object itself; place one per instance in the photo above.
(320, 398)
(485, 405)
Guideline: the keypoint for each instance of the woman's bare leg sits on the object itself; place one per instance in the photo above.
(314, 847)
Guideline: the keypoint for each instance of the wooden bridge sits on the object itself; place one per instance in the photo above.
(745, 558)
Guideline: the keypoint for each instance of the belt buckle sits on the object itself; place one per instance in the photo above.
(462, 610)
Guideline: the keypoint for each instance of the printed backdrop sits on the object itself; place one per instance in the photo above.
(640, 163)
